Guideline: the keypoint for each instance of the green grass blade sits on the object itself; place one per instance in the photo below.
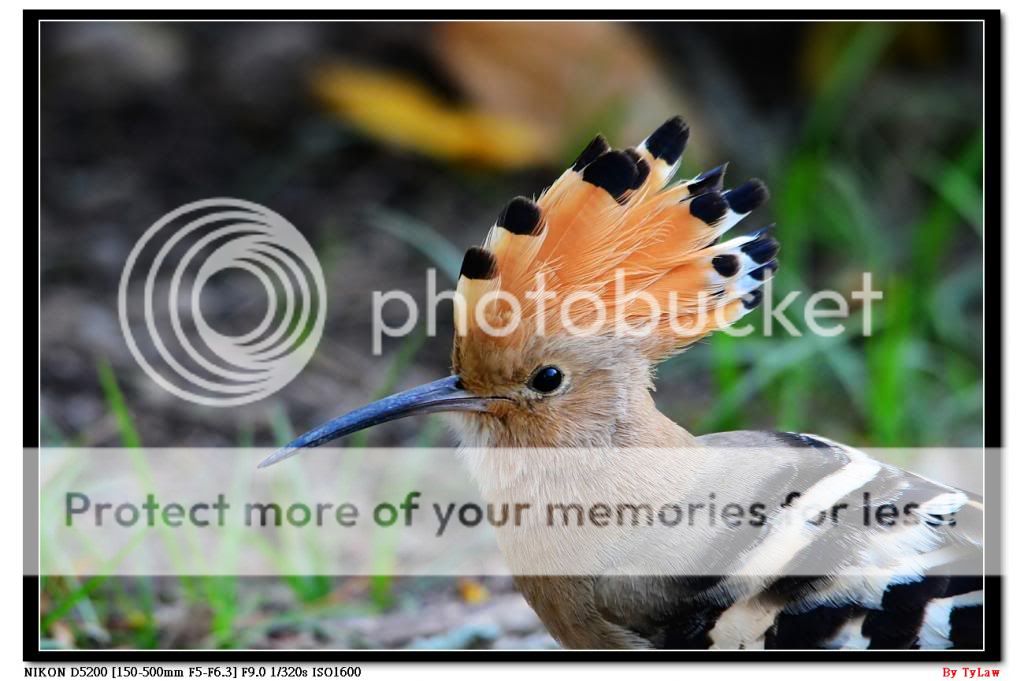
(116, 403)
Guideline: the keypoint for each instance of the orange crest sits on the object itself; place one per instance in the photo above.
(613, 248)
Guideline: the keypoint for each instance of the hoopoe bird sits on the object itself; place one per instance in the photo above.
(551, 414)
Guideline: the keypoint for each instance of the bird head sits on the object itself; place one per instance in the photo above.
(573, 298)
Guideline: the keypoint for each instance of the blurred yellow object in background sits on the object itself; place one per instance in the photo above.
(532, 93)
(400, 111)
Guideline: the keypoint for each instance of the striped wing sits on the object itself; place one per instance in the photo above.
(919, 587)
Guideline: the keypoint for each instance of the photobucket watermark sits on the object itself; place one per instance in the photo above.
(166, 329)
(162, 316)
(614, 308)
(96, 504)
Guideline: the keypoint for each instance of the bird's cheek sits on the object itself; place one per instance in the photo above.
(508, 409)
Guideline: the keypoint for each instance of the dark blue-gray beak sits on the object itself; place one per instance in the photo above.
(446, 394)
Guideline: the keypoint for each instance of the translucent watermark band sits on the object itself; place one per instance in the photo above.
(416, 512)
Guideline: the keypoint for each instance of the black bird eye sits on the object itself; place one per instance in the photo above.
(547, 379)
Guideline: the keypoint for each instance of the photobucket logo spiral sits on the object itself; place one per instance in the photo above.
(184, 252)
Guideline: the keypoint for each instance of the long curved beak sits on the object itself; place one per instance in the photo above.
(443, 395)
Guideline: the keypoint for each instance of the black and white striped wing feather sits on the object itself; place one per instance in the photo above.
(916, 584)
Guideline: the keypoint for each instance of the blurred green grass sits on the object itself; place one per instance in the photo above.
(917, 380)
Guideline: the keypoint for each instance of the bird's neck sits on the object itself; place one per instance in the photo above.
(649, 428)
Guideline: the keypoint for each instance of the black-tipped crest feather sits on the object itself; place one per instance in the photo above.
(595, 148)
(479, 263)
(709, 207)
(643, 169)
(613, 171)
(520, 216)
(669, 140)
(748, 196)
(709, 181)
(726, 265)
(762, 249)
